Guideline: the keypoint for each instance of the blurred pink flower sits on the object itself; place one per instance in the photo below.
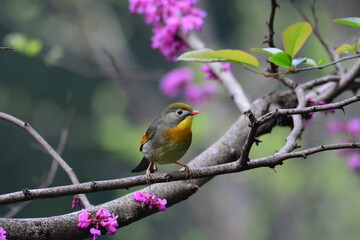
(336, 127)
(199, 93)
(353, 127)
(354, 162)
(174, 81)
(209, 74)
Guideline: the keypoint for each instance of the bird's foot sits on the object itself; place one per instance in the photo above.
(148, 177)
(189, 173)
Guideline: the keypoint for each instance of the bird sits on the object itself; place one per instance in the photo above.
(167, 139)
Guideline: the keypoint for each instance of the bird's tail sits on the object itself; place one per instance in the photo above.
(143, 165)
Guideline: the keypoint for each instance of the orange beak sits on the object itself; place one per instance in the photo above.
(194, 112)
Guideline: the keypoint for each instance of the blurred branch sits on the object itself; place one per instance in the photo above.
(48, 149)
(227, 78)
(320, 81)
(6, 48)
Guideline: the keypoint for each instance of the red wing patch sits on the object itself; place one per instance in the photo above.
(143, 139)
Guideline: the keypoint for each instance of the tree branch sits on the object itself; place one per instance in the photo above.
(47, 148)
(130, 211)
(125, 183)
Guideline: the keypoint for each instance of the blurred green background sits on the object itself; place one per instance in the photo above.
(63, 69)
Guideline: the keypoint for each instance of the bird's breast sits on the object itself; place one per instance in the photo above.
(180, 134)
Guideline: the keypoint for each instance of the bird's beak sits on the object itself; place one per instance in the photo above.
(194, 112)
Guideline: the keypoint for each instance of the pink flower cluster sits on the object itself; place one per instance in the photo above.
(168, 17)
(2, 234)
(181, 80)
(150, 200)
(103, 218)
(349, 131)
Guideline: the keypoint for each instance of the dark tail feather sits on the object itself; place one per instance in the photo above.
(143, 165)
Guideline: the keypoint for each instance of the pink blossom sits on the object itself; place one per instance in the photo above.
(168, 17)
(160, 204)
(174, 81)
(354, 162)
(95, 232)
(199, 93)
(84, 219)
(103, 218)
(353, 127)
(2, 234)
(75, 202)
(150, 200)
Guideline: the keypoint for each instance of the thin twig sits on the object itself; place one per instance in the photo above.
(328, 64)
(69, 171)
(270, 37)
(6, 48)
(315, 108)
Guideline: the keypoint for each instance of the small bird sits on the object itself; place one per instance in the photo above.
(167, 139)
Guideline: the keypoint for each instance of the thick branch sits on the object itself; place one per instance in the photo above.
(225, 150)
(130, 211)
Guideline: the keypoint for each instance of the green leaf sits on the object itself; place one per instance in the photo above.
(228, 55)
(310, 62)
(281, 59)
(202, 55)
(351, 21)
(269, 51)
(295, 36)
(346, 48)
(33, 47)
(321, 62)
(298, 61)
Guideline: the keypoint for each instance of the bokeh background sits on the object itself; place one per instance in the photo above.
(62, 75)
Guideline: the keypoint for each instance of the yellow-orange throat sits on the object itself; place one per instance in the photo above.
(182, 132)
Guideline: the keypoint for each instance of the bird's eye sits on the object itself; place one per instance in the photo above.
(179, 112)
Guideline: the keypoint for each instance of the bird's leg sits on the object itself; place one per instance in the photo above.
(189, 173)
(148, 174)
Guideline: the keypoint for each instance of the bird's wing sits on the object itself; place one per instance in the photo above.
(150, 132)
